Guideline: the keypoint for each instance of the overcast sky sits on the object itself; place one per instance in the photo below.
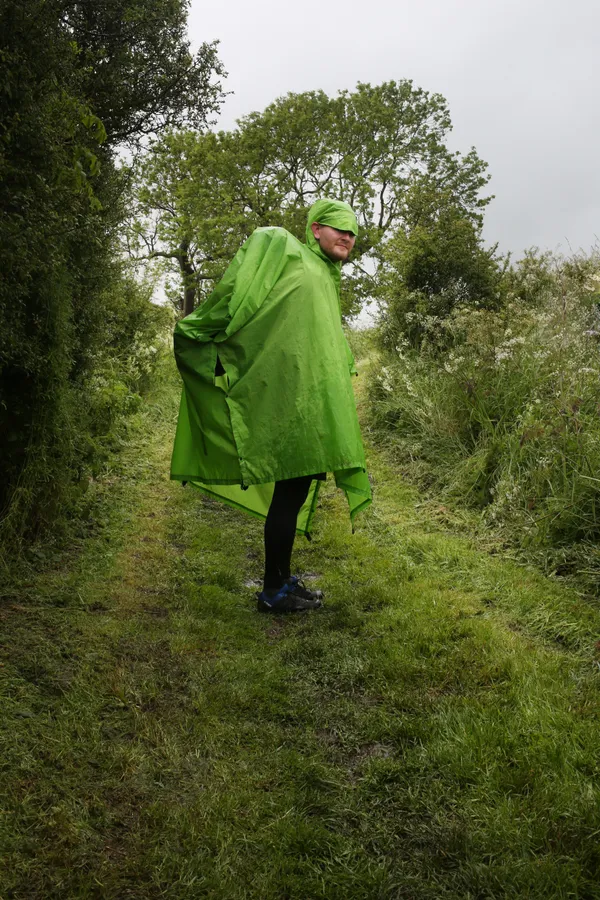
(521, 78)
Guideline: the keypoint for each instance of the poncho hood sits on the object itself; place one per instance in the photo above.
(336, 214)
(284, 406)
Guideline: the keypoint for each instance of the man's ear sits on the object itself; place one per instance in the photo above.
(316, 230)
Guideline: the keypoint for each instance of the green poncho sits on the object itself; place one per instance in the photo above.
(285, 405)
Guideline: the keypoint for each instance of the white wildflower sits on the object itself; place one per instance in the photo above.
(453, 362)
(385, 379)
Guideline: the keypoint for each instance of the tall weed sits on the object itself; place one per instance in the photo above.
(501, 410)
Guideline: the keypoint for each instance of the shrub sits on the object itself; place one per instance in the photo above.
(83, 418)
(507, 417)
(78, 82)
(438, 265)
(360, 340)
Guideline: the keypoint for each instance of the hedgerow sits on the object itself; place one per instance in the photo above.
(500, 409)
(78, 82)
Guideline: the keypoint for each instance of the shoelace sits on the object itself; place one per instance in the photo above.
(304, 590)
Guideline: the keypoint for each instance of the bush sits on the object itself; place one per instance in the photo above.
(360, 340)
(83, 418)
(433, 268)
(78, 81)
(507, 419)
(120, 368)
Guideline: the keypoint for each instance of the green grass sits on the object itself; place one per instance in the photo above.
(431, 733)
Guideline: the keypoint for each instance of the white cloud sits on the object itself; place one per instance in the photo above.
(520, 77)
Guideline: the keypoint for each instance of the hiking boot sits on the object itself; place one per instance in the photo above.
(291, 597)
(303, 590)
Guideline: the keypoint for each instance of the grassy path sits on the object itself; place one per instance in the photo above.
(431, 733)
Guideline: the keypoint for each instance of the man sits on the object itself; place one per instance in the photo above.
(267, 407)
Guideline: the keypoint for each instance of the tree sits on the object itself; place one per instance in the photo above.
(186, 213)
(63, 64)
(433, 263)
(200, 195)
(138, 73)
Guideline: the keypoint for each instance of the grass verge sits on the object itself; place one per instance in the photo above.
(432, 732)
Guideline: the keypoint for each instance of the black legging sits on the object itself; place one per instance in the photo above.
(280, 528)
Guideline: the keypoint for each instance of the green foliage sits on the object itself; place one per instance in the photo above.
(361, 341)
(71, 77)
(201, 195)
(136, 67)
(120, 366)
(431, 267)
(506, 418)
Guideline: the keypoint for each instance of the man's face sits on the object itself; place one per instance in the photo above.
(334, 244)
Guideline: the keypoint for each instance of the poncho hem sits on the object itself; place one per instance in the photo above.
(257, 515)
(270, 480)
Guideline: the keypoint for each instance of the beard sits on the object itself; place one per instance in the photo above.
(337, 254)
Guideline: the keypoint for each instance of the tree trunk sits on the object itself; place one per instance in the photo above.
(187, 275)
